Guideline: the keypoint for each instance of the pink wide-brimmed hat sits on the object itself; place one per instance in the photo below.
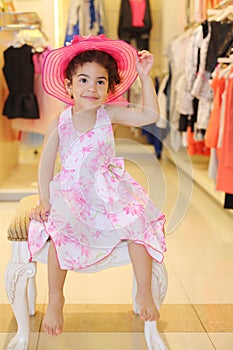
(57, 61)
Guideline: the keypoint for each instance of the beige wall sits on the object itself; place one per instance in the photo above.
(173, 21)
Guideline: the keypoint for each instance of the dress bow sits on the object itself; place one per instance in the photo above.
(107, 179)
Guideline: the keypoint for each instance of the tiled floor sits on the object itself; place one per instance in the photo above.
(198, 309)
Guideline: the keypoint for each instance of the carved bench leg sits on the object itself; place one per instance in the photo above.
(159, 290)
(16, 282)
(32, 294)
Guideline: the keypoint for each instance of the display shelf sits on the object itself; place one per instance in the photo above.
(19, 20)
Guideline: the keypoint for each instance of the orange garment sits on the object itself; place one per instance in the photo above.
(205, 5)
(225, 168)
(196, 147)
(212, 132)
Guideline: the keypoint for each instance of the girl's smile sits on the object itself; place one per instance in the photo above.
(89, 85)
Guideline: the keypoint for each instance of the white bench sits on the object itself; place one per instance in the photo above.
(21, 288)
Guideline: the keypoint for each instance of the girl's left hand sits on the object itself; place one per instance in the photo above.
(144, 63)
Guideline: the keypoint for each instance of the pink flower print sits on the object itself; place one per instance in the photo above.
(88, 134)
(67, 175)
(105, 149)
(59, 240)
(86, 149)
(129, 234)
(134, 209)
(84, 215)
(70, 262)
(85, 251)
(97, 234)
(112, 217)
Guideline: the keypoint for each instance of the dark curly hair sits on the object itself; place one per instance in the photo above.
(103, 59)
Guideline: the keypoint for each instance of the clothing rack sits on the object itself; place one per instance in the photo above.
(19, 20)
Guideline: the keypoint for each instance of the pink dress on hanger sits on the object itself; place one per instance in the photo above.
(96, 206)
(225, 168)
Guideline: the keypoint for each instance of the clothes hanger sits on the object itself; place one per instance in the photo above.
(226, 64)
(225, 14)
(228, 59)
(32, 37)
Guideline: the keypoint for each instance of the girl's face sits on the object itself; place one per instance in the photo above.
(89, 85)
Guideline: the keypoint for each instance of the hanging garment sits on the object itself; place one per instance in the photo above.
(49, 106)
(128, 17)
(228, 203)
(86, 17)
(196, 147)
(201, 7)
(225, 169)
(212, 132)
(221, 41)
(19, 74)
(95, 204)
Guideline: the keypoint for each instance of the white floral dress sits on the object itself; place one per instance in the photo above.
(96, 206)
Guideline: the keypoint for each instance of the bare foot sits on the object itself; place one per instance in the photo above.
(53, 321)
(148, 310)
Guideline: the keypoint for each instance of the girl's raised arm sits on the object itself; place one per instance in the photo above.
(149, 111)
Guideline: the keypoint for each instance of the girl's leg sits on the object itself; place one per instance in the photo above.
(142, 265)
(53, 321)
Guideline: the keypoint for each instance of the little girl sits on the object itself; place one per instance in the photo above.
(93, 209)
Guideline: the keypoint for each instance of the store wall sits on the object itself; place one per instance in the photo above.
(173, 22)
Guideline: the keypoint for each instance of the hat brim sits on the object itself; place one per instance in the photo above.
(57, 61)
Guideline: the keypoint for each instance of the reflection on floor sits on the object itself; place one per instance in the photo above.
(198, 310)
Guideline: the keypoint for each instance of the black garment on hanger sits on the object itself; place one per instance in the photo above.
(127, 32)
(228, 204)
(19, 74)
(221, 40)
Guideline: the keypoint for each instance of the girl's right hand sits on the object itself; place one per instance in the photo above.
(40, 213)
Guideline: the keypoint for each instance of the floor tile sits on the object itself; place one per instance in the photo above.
(8, 321)
(209, 289)
(175, 292)
(116, 318)
(101, 287)
(216, 318)
(188, 341)
(93, 341)
(207, 256)
(6, 337)
(179, 318)
(222, 341)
